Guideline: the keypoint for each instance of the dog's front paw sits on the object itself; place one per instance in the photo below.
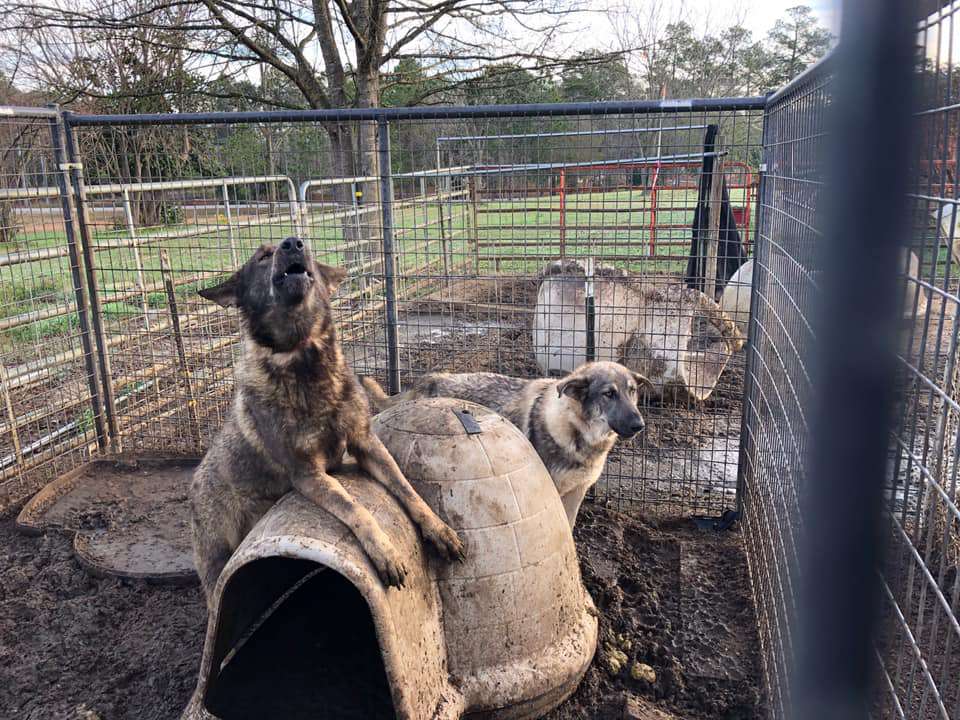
(389, 566)
(444, 540)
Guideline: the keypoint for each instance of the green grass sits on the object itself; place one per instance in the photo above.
(63, 324)
(528, 231)
(41, 329)
(118, 309)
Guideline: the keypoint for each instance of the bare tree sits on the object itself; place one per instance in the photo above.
(129, 69)
(334, 52)
(20, 146)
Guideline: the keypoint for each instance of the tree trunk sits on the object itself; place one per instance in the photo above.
(8, 226)
(272, 197)
(368, 231)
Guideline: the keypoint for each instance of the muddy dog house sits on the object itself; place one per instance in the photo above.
(302, 621)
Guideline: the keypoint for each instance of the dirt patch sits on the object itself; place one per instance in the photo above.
(129, 518)
(671, 597)
(677, 630)
(74, 644)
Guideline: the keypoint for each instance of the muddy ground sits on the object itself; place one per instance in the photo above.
(676, 618)
(671, 597)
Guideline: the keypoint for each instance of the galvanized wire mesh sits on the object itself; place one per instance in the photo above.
(617, 191)
(48, 423)
(917, 659)
(778, 382)
(447, 226)
(478, 209)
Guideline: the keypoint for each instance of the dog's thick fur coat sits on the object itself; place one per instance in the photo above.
(572, 422)
(298, 409)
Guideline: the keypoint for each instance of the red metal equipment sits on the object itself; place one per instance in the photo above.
(738, 176)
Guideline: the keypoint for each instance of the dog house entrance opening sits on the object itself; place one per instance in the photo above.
(314, 654)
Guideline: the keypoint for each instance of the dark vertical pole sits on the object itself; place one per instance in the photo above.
(474, 222)
(749, 381)
(389, 261)
(86, 247)
(854, 368)
(79, 286)
(194, 414)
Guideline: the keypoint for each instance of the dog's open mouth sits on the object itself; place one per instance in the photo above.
(294, 270)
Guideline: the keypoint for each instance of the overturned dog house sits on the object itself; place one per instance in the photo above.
(677, 337)
(301, 623)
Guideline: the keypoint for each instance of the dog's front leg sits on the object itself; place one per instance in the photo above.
(374, 458)
(326, 491)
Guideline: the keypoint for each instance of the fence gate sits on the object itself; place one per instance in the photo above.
(50, 389)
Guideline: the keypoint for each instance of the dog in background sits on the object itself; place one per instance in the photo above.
(297, 410)
(572, 422)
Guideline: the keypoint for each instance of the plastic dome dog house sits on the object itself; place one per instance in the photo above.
(302, 624)
(675, 336)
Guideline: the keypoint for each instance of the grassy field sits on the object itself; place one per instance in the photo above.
(513, 236)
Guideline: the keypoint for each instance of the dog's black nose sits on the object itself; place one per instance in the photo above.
(637, 426)
(291, 244)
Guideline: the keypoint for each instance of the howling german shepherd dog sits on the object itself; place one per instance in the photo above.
(298, 409)
(572, 422)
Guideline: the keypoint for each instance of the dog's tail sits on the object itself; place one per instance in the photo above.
(379, 400)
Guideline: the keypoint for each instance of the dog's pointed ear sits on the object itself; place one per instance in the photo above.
(332, 276)
(574, 386)
(640, 379)
(226, 294)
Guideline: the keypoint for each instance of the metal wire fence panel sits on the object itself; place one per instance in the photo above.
(919, 659)
(778, 382)
(472, 240)
(170, 210)
(48, 422)
(497, 250)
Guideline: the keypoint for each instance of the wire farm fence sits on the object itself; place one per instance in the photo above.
(42, 285)
(917, 659)
(520, 240)
(778, 385)
(447, 230)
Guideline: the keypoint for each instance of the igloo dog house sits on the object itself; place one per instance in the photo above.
(675, 336)
(302, 624)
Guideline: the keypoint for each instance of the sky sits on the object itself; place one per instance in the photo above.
(758, 16)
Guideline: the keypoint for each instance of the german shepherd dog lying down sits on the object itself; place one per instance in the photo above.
(298, 409)
(572, 422)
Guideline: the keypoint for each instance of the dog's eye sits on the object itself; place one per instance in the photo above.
(266, 256)
(611, 393)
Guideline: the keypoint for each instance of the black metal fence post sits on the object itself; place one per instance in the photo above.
(854, 373)
(389, 259)
(79, 286)
(86, 245)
